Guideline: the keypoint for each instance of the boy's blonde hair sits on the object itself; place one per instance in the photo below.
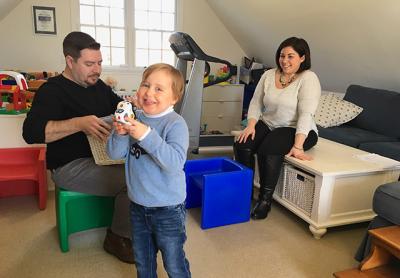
(177, 78)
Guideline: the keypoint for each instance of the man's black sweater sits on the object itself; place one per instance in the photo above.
(61, 99)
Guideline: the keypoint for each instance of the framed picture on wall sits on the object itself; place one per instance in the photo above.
(44, 19)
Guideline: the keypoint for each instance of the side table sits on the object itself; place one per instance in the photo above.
(384, 260)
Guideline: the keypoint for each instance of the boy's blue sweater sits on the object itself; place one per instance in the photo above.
(155, 179)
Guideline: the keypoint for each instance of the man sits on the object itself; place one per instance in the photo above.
(66, 109)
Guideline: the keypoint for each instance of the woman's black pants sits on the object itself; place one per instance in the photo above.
(270, 146)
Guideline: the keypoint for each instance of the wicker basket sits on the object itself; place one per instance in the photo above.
(100, 155)
(299, 188)
(281, 181)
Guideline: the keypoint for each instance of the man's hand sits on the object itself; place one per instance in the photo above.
(92, 125)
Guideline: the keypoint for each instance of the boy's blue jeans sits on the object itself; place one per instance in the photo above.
(159, 228)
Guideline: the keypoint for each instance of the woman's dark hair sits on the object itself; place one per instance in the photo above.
(301, 47)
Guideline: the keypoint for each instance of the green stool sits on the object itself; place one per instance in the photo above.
(78, 212)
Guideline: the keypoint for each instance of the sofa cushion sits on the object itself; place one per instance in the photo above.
(388, 149)
(381, 109)
(386, 202)
(352, 136)
(334, 111)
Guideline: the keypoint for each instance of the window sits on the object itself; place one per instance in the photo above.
(154, 23)
(108, 21)
(105, 21)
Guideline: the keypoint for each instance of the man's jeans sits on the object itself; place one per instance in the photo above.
(159, 228)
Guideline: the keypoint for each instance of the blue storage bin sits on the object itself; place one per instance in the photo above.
(222, 187)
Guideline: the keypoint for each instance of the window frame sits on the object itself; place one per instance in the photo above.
(129, 35)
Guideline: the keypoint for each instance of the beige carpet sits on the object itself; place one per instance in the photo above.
(280, 246)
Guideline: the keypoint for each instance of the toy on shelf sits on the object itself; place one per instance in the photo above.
(13, 91)
(36, 79)
(126, 95)
(34, 85)
(112, 82)
(223, 72)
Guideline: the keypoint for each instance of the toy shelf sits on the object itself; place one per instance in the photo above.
(4, 111)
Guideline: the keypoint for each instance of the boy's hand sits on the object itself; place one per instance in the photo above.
(136, 129)
(119, 127)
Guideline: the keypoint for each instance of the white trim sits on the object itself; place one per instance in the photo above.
(74, 4)
(121, 72)
(130, 37)
(179, 15)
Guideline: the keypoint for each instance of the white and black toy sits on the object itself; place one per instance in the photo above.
(124, 109)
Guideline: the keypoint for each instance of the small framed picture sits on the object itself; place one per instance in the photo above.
(44, 19)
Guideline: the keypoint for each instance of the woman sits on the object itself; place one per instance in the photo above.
(280, 118)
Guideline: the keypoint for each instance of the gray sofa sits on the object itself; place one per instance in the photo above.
(386, 204)
(376, 129)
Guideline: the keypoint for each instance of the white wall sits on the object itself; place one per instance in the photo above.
(24, 50)
(200, 21)
(352, 42)
(6, 6)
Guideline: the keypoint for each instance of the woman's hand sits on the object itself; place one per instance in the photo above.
(297, 150)
(248, 131)
(299, 154)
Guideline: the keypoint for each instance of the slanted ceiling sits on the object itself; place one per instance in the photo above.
(352, 42)
(6, 6)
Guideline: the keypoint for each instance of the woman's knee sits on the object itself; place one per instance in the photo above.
(278, 141)
(247, 146)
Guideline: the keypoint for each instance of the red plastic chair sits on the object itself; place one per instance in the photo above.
(23, 172)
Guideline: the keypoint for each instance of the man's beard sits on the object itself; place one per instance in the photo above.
(90, 77)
